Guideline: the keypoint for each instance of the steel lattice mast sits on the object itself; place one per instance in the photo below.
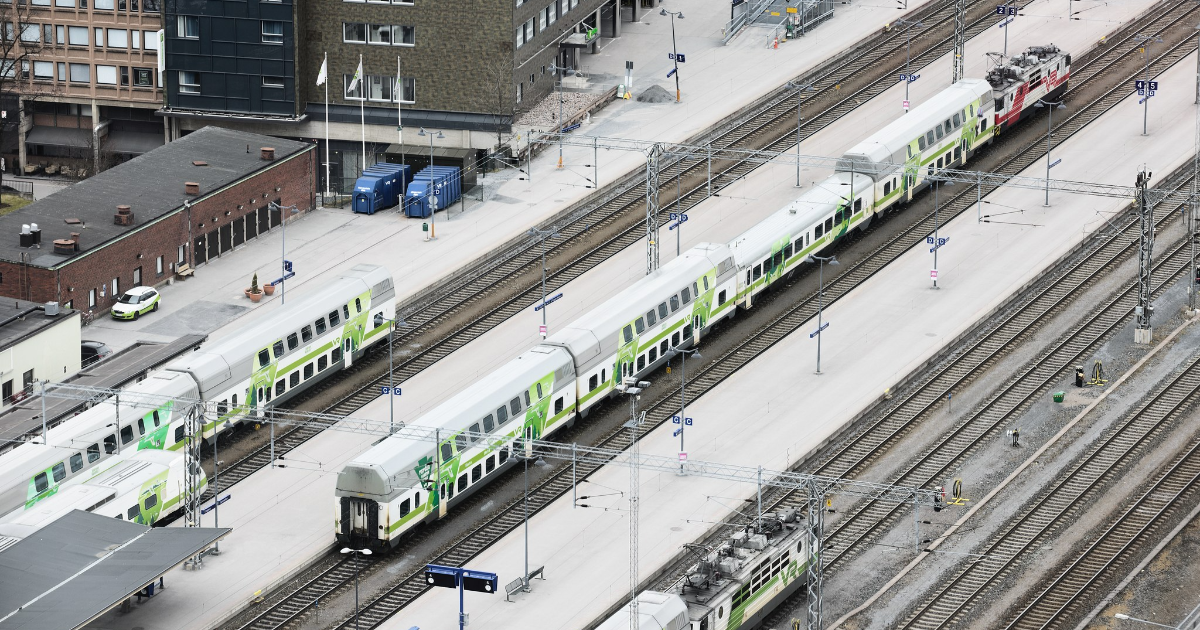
(653, 157)
(960, 41)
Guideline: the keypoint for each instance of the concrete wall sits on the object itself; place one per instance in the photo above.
(52, 354)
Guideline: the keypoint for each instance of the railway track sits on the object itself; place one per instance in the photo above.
(1070, 496)
(559, 483)
(616, 218)
(1106, 559)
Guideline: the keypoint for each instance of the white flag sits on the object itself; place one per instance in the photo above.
(324, 74)
(357, 76)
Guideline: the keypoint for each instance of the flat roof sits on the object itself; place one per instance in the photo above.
(20, 320)
(152, 184)
(25, 417)
(83, 565)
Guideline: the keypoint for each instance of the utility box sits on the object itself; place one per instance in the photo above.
(443, 183)
(381, 186)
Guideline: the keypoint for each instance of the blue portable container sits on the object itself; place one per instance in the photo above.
(441, 182)
(380, 186)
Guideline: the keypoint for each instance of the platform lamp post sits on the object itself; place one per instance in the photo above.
(432, 203)
(284, 264)
(357, 553)
(937, 240)
(1049, 106)
(674, 49)
(684, 421)
(557, 77)
(821, 260)
(800, 88)
(1124, 617)
(1145, 41)
(542, 235)
(391, 389)
(908, 25)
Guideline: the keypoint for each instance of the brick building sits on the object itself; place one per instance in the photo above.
(188, 202)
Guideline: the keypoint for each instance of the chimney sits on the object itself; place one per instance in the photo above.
(37, 234)
(124, 216)
(268, 153)
(191, 188)
(75, 240)
(26, 236)
(64, 246)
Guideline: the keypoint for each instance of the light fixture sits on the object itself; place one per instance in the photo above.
(240, 206)
(228, 212)
(277, 189)
(139, 256)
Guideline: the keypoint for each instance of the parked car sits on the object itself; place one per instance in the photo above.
(135, 302)
(93, 351)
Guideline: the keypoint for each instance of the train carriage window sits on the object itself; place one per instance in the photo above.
(59, 471)
(920, 144)
(627, 333)
(294, 379)
(141, 426)
(336, 355)
(264, 358)
(41, 482)
(662, 310)
(939, 131)
(447, 452)
(957, 121)
(357, 305)
(404, 509)
(268, 394)
(233, 401)
(150, 502)
(277, 349)
(476, 473)
(819, 230)
(639, 325)
(460, 443)
(501, 415)
(757, 271)
(127, 434)
(308, 371)
(490, 464)
(687, 331)
(653, 355)
(787, 253)
(489, 423)
(333, 318)
(929, 138)
(178, 438)
(475, 433)
(641, 362)
(662, 347)
(462, 483)
(887, 188)
(320, 324)
(133, 513)
(306, 334)
(939, 163)
(650, 318)
(558, 405)
(504, 455)
(526, 399)
(156, 416)
(592, 383)
(280, 387)
(696, 288)
(222, 408)
(837, 217)
(720, 298)
(416, 499)
(515, 406)
(322, 363)
(705, 279)
(687, 295)
(857, 206)
(957, 153)
(674, 303)
(292, 341)
(346, 312)
(675, 339)
(538, 386)
(829, 225)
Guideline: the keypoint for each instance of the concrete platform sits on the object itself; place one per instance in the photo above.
(267, 545)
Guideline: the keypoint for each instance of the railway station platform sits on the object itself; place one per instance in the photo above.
(279, 515)
(776, 409)
(122, 368)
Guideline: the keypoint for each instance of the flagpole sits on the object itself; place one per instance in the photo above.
(325, 67)
(399, 111)
(362, 111)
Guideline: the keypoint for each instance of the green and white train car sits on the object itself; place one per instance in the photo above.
(278, 357)
(81, 447)
(143, 487)
(733, 586)
(631, 333)
(399, 483)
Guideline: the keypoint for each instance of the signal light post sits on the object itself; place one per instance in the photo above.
(463, 580)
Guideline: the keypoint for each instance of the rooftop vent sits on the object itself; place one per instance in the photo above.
(75, 240)
(72, 221)
(37, 234)
(268, 153)
(124, 216)
(64, 246)
(191, 188)
(51, 309)
(26, 235)
(199, 163)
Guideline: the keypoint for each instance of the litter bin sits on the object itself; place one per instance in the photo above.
(1058, 396)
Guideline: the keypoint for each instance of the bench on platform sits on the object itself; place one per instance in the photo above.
(516, 585)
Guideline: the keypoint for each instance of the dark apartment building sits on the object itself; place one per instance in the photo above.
(457, 68)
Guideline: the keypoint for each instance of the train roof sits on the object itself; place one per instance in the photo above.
(217, 362)
(796, 217)
(396, 456)
(584, 336)
(656, 611)
(882, 145)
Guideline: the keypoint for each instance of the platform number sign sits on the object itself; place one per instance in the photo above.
(1005, 9)
(385, 390)
(680, 57)
(909, 78)
(1142, 87)
(941, 241)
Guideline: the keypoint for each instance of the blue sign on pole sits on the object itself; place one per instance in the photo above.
(385, 390)
(909, 77)
(1006, 22)
(671, 73)
(680, 58)
(818, 331)
(687, 422)
(547, 302)
(1055, 162)
(677, 432)
(215, 504)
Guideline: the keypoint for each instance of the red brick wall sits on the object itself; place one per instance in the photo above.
(295, 179)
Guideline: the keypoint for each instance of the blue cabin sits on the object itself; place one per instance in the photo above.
(441, 182)
(381, 186)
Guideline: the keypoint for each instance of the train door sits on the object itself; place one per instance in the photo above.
(696, 329)
(443, 501)
(348, 351)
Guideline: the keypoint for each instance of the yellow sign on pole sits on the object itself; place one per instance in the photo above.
(791, 10)
(775, 13)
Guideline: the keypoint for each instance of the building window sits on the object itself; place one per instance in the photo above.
(380, 34)
(43, 70)
(124, 75)
(116, 288)
(81, 73)
(272, 32)
(99, 40)
(354, 33)
(272, 82)
(182, 253)
(137, 39)
(408, 90)
(187, 26)
(137, 276)
(31, 33)
(529, 30)
(143, 77)
(404, 35)
(77, 36)
(520, 36)
(189, 82)
(62, 71)
(60, 36)
(353, 94)
(150, 40)
(91, 298)
(158, 266)
(552, 10)
(48, 33)
(118, 38)
(543, 17)
(68, 4)
(106, 75)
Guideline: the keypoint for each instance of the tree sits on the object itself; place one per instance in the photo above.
(496, 95)
(21, 41)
